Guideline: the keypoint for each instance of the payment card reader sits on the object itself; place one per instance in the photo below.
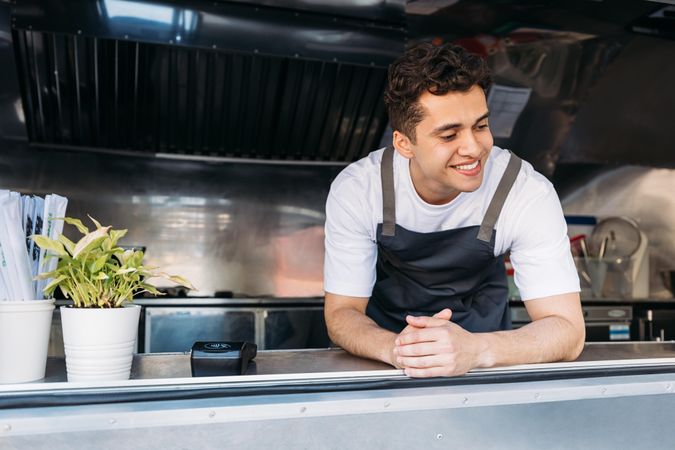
(219, 358)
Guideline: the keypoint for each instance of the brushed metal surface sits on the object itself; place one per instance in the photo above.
(314, 361)
(12, 121)
(623, 118)
(241, 26)
(251, 229)
(560, 69)
(380, 10)
(271, 362)
(599, 413)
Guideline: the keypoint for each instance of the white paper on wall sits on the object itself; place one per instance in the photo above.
(506, 104)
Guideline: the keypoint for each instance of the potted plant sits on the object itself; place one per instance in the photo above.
(100, 328)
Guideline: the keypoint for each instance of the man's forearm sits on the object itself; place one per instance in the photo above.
(544, 340)
(358, 334)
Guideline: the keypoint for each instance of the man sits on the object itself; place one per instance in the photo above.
(415, 235)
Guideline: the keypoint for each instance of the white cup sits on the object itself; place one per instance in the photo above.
(24, 339)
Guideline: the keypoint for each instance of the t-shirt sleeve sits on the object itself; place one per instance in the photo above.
(540, 252)
(351, 252)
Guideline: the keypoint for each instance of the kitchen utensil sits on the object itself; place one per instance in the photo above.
(619, 242)
(619, 236)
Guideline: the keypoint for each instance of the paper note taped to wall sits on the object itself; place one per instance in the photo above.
(505, 105)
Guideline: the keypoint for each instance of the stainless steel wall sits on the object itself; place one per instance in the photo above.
(254, 229)
(257, 229)
(560, 68)
(12, 123)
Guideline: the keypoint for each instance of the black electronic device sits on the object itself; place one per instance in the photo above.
(218, 358)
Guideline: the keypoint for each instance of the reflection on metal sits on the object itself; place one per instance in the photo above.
(628, 117)
(215, 80)
(124, 10)
(11, 113)
(108, 94)
(221, 159)
(176, 329)
(120, 14)
(595, 99)
(642, 193)
(390, 11)
(170, 329)
(252, 229)
(560, 68)
(319, 33)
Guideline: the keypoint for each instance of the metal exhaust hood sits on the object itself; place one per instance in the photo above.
(292, 80)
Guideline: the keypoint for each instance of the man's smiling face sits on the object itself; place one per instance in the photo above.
(452, 144)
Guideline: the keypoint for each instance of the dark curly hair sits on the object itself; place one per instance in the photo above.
(436, 69)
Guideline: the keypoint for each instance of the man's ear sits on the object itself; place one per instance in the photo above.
(402, 144)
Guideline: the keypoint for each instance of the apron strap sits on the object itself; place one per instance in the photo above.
(497, 202)
(388, 195)
(491, 216)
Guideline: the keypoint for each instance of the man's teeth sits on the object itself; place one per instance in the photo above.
(468, 166)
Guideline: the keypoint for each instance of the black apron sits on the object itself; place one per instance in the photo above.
(423, 273)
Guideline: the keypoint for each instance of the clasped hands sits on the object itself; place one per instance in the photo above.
(435, 347)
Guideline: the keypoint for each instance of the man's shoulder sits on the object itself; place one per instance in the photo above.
(529, 182)
(360, 175)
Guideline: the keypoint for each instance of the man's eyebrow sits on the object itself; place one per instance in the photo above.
(445, 127)
(483, 117)
(452, 126)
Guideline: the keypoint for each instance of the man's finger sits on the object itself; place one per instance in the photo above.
(419, 362)
(421, 349)
(445, 314)
(408, 329)
(425, 321)
(420, 335)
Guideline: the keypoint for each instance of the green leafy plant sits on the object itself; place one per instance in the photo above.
(95, 271)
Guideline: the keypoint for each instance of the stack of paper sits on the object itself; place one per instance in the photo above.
(20, 258)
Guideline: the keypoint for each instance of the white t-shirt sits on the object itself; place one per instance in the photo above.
(531, 224)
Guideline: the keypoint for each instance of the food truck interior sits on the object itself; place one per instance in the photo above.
(216, 145)
(212, 130)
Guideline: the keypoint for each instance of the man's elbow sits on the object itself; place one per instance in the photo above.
(332, 332)
(578, 341)
(339, 312)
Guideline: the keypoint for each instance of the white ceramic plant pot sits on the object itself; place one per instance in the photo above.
(24, 339)
(99, 342)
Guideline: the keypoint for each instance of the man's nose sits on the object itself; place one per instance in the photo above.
(468, 145)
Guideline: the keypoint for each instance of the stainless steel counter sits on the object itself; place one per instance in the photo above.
(318, 301)
(286, 362)
(274, 368)
(615, 396)
(151, 366)
(224, 301)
